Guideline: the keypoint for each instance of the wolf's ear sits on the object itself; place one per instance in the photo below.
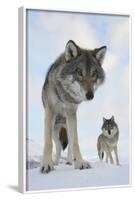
(71, 51)
(104, 119)
(112, 118)
(100, 54)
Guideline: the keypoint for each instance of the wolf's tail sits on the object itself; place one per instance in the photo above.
(63, 138)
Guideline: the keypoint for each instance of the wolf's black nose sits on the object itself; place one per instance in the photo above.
(89, 95)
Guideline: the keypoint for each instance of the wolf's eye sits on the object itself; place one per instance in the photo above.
(79, 72)
(94, 74)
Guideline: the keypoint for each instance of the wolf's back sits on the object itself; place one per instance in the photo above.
(51, 72)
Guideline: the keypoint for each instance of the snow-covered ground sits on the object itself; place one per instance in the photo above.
(34, 152)
(64, 177)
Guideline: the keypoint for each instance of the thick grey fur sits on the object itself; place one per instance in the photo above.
(71, 79)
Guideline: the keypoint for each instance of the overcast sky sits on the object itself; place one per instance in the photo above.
(47, 34)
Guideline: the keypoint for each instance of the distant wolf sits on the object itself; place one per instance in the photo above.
(71, 79)
(107, 141)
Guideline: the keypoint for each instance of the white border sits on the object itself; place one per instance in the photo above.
(22, 101)
(22, 179)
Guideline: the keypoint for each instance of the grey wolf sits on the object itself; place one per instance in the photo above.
(71, 79)
(108, 140)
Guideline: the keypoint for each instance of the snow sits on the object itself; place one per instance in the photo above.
(33, 154)
(65, 176)
(34, 150)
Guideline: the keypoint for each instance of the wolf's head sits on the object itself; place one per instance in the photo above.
(109, 127)
(83, 72)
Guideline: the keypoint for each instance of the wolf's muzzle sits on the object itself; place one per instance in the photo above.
(89, 95)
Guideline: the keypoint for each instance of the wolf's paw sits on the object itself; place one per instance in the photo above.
(47, 168)
(118, 164)
(81, 164)
(68, 163)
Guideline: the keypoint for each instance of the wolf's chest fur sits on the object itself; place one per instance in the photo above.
(110, 141)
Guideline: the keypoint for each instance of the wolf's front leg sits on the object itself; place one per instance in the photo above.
(58, 151)
(69, 156)
(47, 164)
(116, 155)
(79, 163)
(111, 158)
